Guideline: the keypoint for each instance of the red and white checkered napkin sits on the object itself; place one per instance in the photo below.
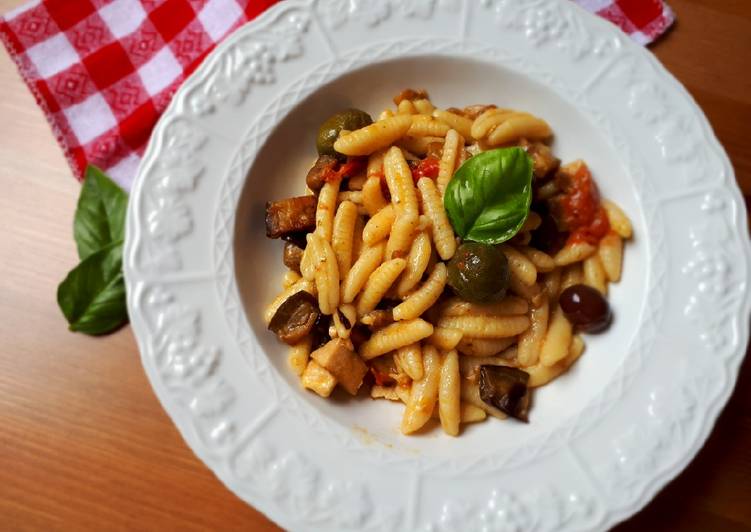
(642, 20)
(104, 70)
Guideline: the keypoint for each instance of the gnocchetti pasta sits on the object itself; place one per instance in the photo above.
(442, 258)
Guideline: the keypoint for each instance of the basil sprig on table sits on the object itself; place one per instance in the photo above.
(100, 215)
(92, 296)
(488, 198)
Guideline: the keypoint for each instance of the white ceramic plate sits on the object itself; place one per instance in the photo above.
(604, 438)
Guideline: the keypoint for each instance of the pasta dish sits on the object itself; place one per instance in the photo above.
(444, 259)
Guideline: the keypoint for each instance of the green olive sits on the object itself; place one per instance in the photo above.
(478, 272)
(349, 119)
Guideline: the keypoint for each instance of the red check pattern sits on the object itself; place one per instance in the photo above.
(642, 20)
(104, 70)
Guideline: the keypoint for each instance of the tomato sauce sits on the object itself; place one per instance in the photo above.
(594, 232)
(428, 167)
(381, 379)
(338, 171)
(581, 209)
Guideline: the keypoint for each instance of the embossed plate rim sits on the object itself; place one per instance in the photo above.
(138, 282)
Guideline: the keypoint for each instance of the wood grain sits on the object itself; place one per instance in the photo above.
(84, 443)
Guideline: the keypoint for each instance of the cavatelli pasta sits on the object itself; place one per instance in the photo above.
(486, 326)
(395, 336)
(450, 157)
(424, 297)
(358, 274)
(443, 233)
(427, 126)
(326, 209)
(399, 180)
(424, 393)
(373, 137)
(461, 124)
(343, 234)
(378, 284)
(519, 126)
(378, 260)
(417, 263)
(379, 226)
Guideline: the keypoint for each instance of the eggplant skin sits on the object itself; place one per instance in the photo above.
(291, 215)
(544, 163)
(292, 256)
(320, 332)
(316, 175)
(506, 389)
(295, 318)
(379, 318)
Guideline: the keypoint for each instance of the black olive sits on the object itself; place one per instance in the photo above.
(585, 308)
(349, 119)
(478, 272)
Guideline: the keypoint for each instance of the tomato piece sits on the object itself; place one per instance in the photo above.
(594, 232)
(581, 199)
(337, 171)
(432, 167)
(381, 379)
(428, 167)
(579, 210)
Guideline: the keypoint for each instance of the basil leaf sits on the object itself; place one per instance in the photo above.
(92, 296)
(488, 198)
(100, 215)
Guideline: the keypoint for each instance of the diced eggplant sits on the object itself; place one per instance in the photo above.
(291, 215)
(316, 175)
(292, 256)
(506, 389)
(548, 237)
(470, 393)
(295, 318)
(297, 239)
(543, 161)
(318, 379)
(359, 335)
(559, 212)
(571, 176)
(564, 181)
(343, 363)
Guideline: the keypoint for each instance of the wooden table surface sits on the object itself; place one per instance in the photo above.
(84, 443)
